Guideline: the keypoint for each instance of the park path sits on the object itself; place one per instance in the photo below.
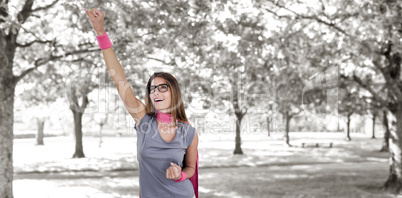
(119, 153)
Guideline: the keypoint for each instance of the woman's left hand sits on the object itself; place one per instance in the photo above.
(173, 172)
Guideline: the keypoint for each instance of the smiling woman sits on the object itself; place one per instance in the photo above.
(163, 91)
(167, 143)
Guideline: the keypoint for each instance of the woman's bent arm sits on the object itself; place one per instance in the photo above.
(191, 157)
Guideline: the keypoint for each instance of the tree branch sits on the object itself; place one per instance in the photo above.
(25, 29)
(312, 17)
(32, 42)
(45, 7)
(394, 86)
(3, 10)
(374, 94)
(42, 61)
(374, 103)
(296, 113)
(160, 60)
(85, 101)
(25, 12)
(276, 14)
(330, 24)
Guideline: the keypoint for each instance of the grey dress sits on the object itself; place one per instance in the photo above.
(154, 156)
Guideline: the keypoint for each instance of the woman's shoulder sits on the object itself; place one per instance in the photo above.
(187, 128)
(186, 125)
(145, 120)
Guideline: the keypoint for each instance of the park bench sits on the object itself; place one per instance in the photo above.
(316, 144)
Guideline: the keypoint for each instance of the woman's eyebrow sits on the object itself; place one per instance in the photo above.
(159, 84)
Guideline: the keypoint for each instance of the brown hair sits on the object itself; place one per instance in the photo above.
(176, 106)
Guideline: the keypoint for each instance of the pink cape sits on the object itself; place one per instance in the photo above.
(194, 179)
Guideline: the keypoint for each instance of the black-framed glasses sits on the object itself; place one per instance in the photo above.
(162, 88)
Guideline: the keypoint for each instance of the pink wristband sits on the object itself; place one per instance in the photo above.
(183, 177)
(104, 41)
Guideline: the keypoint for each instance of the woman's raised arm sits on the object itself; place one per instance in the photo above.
(134, 106)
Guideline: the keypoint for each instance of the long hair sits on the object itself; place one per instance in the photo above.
(176, 106)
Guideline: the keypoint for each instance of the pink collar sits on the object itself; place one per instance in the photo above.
(164, 117)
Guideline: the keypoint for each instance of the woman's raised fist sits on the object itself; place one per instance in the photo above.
(97, 19)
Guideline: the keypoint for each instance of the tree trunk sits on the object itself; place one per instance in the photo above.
(394, 181)
(7, 89)
(287, 129)
(79, 151)
(269, 125)
(348, 128)
(78, 111)
(238, 149)
(40, 135)
(8, 45)
(237, 106)
(100, 135)
(385, 144)
(373, 133)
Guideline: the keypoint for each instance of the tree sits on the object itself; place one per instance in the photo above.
(84, 74)
(22, 33)
(237, 55)
(181, 34)
(289, 95)
(350, 103)
(78, 90)
(102, 120)
(385, 145)
(300, 65)
(375, 110)
(373, 129)
(382, 57)
(46, 90)
(370, 33)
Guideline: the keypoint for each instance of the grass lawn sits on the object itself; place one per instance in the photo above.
(321, 180)
(267, 169)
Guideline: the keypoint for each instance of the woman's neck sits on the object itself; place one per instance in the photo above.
(164, 117)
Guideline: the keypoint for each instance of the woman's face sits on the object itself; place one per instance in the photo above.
(160, 100)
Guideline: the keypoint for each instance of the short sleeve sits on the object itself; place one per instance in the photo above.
(189, 133)
(144, 125)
